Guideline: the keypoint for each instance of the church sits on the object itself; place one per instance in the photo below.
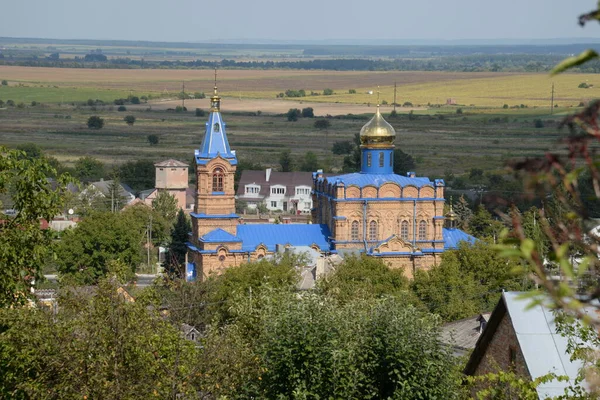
(376, 212)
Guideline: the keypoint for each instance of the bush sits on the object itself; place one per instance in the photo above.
(322, 124)
(95, 122)
(153, 140)
(327, 92)
(1, 104)
(134, 100)
(10, 103)
(352, 91)
(342, 148)
(538, 123)
(583, 85)
(122, 108)
(293, 114)
(4, 82)
(308, 112)
(294, 93)
(129, 119)
(459, 111)
(34, 103)
(199, 95)
(505, 106)
(200, 112)
(407, 104)
(179, 109)
(119, 102)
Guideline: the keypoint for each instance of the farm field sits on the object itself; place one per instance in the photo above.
(440, 143)
(481, 89)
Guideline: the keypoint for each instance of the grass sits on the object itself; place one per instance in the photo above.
(53, 94)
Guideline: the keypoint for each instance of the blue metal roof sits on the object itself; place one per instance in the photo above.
(453, 236)
(362, 180)
(215, 140)
(219, 236)
(272, 234)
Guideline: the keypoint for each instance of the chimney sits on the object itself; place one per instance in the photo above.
(411, 174)
(268, 173)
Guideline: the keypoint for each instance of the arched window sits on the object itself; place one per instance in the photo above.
(381, 159)
(422, 230)
(372, 231)
(217, 185)
(354, 231)
(368, 159)
(404, 230)
(216, 127)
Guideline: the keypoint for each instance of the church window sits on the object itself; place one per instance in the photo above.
(216, 127)
(354, 230)
(217, 185)
(372, 230)
(391, 159)
(368, 159)
(404, 230)
(381, 159)
(422, 230)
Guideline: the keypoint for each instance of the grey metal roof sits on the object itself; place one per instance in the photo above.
(544, 350)
(462, 335)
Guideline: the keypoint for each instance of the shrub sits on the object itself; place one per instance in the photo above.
(583, 85)
(122, 108)
(322, 124)
(407, 104)
(308, 112)
(153, 140)
(34, 103)
(327, 92)
(199, 95)
(459, 111)
(505, 106)
(4, 82)
(119, 102)
(129, 119)
(95, 122)
(1, 104)
(200, 112)
(538, 123)
(21, 105)
(352, 91)
(180, 109)
(134, 100)
(293, 114)
(10, 103)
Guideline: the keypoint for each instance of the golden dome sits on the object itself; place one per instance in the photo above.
(377, 132)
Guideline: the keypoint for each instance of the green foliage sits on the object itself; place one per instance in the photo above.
(200, 112)
(482, 225)
(285, 161)
(89, 169)
(24, 246)
(363, 278)
(99, 346)
(322, 124)
(308, 112)
(459, 111)
(295, 93)
(31, 150)
(574, 61)
(153, 139)
(583, 85)
(309, 163)
(165, 205)
(178, 246)
(293, 114)
(180, 109)
(352, 91)
(327, 92)
(122, 108)
(4, 82)
(129, 119)
(538, 123)
(199, 95)
(342, 148)
(139, 175)
(95, 122)
(134, 100)
(403, 162)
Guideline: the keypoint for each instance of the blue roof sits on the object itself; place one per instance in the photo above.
(294, 234)
(215, 140)
(362, 180)
(453, 236)
(219, 236)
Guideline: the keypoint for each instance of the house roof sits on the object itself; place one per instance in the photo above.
(544, 350)
(462, 334)
(361, 180)
(288, 179)
(104, 188)
(453, 236)
(271, 235)
(171, 163)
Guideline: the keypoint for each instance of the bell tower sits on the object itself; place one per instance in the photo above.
(215, 168)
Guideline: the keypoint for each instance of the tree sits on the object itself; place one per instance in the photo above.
(139, 175)
(285, 161)
(30, 150)
(134, 100)
(24, 246)
(342, 148)
(403, 162)
(482, 225)
(322, 124)
(308, 112)
(129, 119)
(153, 139)
(89, 169)
(178, 246)
(99, 346)
(199, 95)
(327, 92)
(95, 122)
(200, 112)
(166, 205)
(122, 108)
(310, 163)
(4, 82)
(352, 161)
(293, 114)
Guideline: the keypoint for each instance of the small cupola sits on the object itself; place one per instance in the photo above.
(451, 218)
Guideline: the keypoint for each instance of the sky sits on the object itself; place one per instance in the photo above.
(201, 20)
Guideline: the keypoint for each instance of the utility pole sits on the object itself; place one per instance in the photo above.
(394, 97)
(182, 94)
(552, 101)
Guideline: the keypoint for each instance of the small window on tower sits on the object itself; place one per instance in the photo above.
(217, 127)
(381, 159)
(368, 159)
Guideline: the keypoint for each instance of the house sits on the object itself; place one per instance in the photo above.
(283, 191)
(190, 333)
(115, 197)
(524, 339)
(172, 177)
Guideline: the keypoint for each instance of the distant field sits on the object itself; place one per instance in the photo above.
(487, 89)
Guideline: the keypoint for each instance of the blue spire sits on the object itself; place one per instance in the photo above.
(215, 141)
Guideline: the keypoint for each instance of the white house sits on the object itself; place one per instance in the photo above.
(284, 191)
